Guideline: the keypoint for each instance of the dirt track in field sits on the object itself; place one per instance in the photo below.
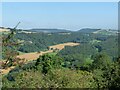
(35, 55)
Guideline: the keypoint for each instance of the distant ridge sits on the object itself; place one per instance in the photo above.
(88, 30)
(50, 30)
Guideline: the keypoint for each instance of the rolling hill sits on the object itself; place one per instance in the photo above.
(49, 30)
(88, 30)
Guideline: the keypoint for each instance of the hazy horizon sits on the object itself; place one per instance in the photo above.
(60, 15)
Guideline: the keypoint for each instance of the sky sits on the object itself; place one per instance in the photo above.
(62, 15)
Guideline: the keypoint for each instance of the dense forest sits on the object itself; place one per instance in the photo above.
(39, 41)
(94, 63)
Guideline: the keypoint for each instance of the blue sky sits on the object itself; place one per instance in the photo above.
(64, 15)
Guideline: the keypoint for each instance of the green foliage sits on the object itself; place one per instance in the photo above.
(83, 66)
(78, 57)
(109, 45)
(47, 62)
(115, 75)
(105, 72)
(9, 48)
(101, 61)
(60, 78)
(47, 72)
(41, 41)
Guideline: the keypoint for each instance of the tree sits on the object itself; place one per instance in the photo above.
(9, 44)
(103, 70)
(101, 61)
(115, 74)
(48, 62)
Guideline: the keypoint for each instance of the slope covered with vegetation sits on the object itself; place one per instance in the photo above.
(48, 71)
(92, 64)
